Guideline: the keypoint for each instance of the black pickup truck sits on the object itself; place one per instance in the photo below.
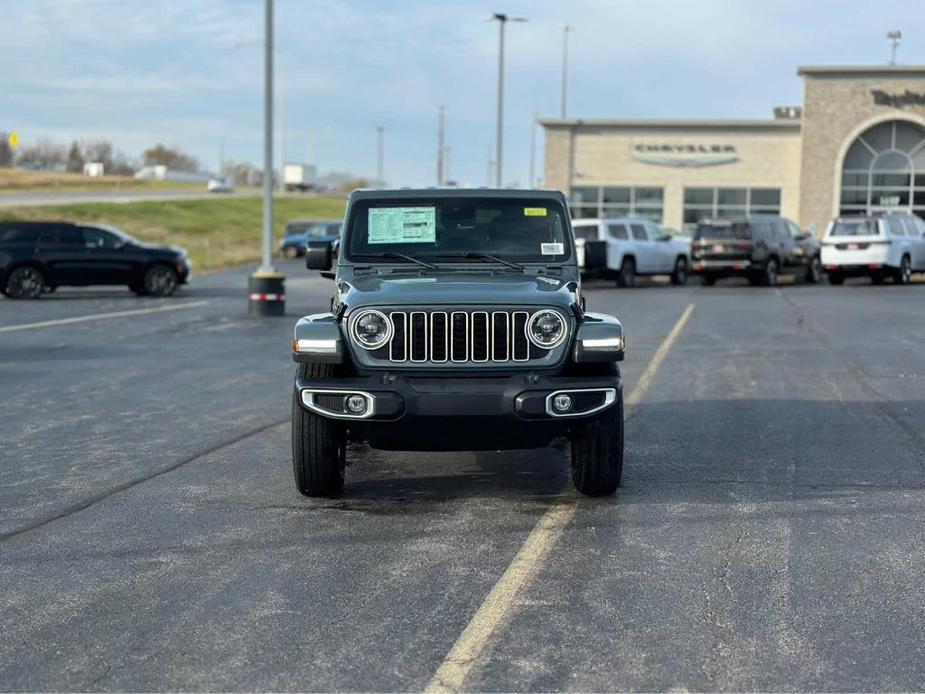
(457, 323)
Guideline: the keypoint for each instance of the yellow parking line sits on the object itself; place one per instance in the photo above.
(455, 669)
(100, 316)
(642, 386)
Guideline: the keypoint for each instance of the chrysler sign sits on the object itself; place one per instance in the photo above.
(684, 154)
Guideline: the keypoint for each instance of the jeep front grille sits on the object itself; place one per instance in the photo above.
(459, 337)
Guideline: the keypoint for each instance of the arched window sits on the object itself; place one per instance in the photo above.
(884, 169)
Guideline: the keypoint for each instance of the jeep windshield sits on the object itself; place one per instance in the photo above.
(476, 231)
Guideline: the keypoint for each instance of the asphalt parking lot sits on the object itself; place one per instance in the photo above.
(768, 534)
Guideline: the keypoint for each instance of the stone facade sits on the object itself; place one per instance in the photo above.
(801, 157)
(838, 105)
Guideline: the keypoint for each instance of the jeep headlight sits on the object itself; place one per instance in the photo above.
(546, 329)
(371, 329)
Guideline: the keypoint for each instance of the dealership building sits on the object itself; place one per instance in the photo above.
(855, 145)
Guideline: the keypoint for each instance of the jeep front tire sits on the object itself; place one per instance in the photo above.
(597, 452)
(319, 444)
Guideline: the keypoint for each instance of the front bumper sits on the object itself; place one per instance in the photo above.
(462, 413)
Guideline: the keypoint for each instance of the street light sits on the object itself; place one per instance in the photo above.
(565, 32)
(265, 288)
(380, 171)
(895, 37)
(502, 19)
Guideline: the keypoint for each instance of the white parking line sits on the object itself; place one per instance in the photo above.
(453, 672)
(100, 316)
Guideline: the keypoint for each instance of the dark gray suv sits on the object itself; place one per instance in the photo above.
(760, 247)
(457, 323)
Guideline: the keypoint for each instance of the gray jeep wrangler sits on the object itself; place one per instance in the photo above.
(457, 323)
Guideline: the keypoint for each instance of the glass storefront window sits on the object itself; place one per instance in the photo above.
(728, 203)
(648, 196)
(731, 196)
(609, 202)
(699, 196)
(612, 211)
(764, 196)
(617, 195)
(881, 170)
(585, 195)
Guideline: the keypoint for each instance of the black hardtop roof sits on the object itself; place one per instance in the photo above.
(458, 193)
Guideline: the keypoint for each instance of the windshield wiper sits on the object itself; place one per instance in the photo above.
(402, 256)
(483, 256)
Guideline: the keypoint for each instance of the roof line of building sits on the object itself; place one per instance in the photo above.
(757, 124)
(860, 70)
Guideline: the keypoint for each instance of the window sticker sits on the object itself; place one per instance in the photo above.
(552, 248)
(402, 225)
(534, 212)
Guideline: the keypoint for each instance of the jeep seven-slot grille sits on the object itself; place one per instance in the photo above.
(460, 337)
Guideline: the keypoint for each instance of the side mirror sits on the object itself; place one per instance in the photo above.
(666, 237)
(318, 255)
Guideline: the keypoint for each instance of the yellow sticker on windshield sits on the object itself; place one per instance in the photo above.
(534, 211)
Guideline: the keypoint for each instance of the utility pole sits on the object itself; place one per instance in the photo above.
(440, 150)
(380, 175)
(532, 179)
(265, 288)
(895, 37)
(221, 159)
(282, 137)
(491, 165)
(502, 19)
(449, 173)
(565, 32)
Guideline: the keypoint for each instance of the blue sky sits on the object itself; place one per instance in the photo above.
(188, 72)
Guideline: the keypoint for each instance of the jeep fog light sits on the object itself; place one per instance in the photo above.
(371, 329)
(356, 404)
(546, 329)
(562, 403)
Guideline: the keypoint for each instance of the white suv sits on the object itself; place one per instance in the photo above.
(891, 245)
(630, 246)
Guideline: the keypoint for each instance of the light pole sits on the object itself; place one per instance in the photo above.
(265, 288)
(440, 149)
(380, 174)
(895, 37)
(565, 32)
(530, 181)
(502, 19)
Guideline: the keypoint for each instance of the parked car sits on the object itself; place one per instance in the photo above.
(759, 247)
(890, 245)
(300, 232)
(41, 256)
(627, 247)
(458, 324)
(220, 185)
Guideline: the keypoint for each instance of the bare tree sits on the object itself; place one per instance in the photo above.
(75, 160)
(170, 157)
(100, 151)
(6, 152)
(243, 173)
(44, 154)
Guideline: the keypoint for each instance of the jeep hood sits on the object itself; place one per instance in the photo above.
(461, 288)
